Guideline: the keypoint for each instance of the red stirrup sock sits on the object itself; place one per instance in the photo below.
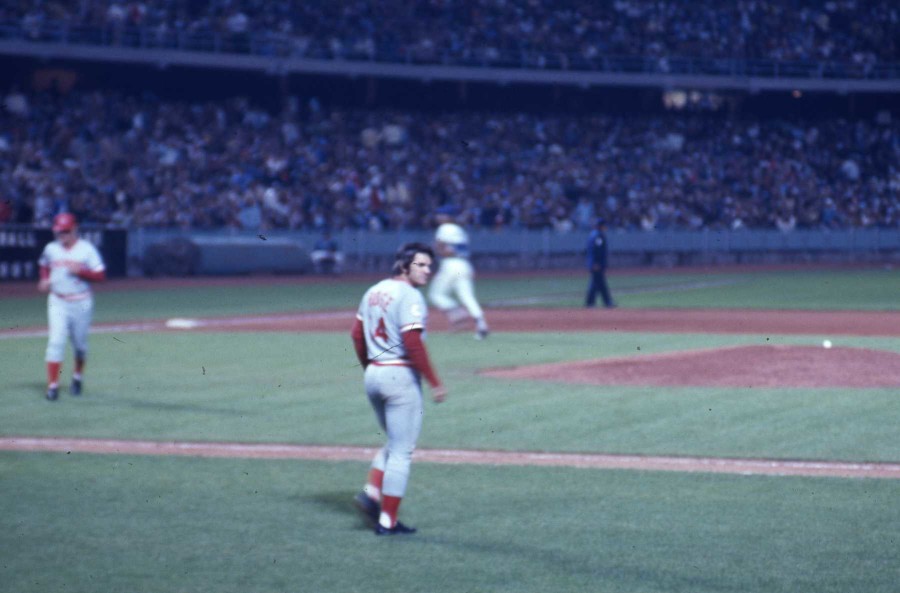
(53, 369)
(373, 485)
(390, 505)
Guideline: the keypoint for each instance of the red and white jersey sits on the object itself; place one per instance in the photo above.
(64, 263)
(388, 309)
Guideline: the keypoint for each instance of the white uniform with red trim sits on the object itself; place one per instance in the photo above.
(388, 309)
(453, 287)
(70, 304)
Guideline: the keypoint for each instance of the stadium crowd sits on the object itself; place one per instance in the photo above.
(538, 33)
(143, 162)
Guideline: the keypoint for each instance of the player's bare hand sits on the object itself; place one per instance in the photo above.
(439, 394)
(44, 285)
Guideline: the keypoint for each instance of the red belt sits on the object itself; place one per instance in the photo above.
(391, 363)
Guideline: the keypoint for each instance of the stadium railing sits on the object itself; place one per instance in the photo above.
(15, 38)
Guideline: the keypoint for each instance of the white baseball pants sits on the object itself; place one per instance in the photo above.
(68, 319)
(395, 393)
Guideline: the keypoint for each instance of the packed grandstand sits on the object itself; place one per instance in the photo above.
(143, 159)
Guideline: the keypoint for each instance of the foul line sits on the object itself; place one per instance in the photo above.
(748, 467)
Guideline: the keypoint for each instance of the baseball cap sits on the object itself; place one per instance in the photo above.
(600, 221)
(64, 222)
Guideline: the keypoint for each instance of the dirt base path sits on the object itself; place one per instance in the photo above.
(748, 467)
(717, 321)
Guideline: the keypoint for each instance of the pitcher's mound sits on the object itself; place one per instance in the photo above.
(740, 366)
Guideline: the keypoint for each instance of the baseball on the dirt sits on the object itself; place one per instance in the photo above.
(826, 344)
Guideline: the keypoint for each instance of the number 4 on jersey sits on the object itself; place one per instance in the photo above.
(380, 331)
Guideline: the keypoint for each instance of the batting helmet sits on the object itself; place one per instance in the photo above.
(64, 222)
(452, 234)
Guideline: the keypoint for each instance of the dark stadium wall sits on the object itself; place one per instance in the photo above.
(171, 83)
(269, 91)
(21, 246)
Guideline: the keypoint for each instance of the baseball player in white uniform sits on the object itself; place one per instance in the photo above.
(453, 288)
(67, 266)
(388, 337)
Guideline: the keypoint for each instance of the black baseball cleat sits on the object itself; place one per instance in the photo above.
(75, 388)
(398, 529)
(52, 393)
(368, 507)
(482, 334)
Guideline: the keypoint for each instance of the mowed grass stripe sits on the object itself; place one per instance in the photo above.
(457, 456)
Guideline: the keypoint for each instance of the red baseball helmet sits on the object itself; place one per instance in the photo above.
(64, 222)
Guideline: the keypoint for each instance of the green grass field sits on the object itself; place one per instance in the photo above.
(81, 522)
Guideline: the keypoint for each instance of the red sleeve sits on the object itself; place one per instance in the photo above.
(92, 276)
(418, 356)
(359, 343)
(44, 272)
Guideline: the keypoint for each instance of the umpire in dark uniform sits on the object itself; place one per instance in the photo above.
(597, 256)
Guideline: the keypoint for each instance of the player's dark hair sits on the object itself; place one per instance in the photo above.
(406, 254)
